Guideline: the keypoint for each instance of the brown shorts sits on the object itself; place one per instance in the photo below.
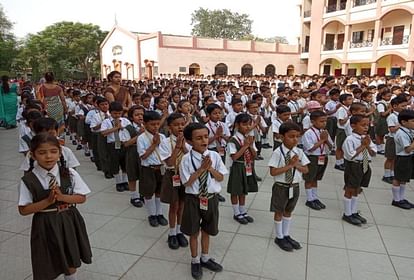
(340, 138)
(403, 168)
(170, 194)
(316, 171)
(389, 148)
(280, 201)
(150, 182)
(354, 176)
(194, 218)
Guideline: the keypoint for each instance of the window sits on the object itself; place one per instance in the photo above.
(182, 69)
(370, 36)
(357, 37)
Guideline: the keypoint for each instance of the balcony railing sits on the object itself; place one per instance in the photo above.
(305, 49)
(336, 7)
(363, 44)
(331, 47)
(389, 41)
(307, 13)
(357, 3)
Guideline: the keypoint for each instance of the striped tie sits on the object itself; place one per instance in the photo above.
(52, 181)
(203, 183)
(365, 160)
(289, 173)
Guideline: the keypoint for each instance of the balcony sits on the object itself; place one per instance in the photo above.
(307, 13)
(305, 49)
(336, 7)
(332, 47)
(357, 3)
(362, 44)
(389, 41)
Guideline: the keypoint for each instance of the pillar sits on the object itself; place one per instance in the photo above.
(373, 68)
(411, 42)
(344, 70)
(409, 68)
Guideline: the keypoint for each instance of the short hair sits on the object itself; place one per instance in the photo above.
(235, 101)
(344, 97)
(173, 117)
(243, 118)
(282, 109)
(100, 100)
(158, 99)
(356, 106)
(76, 92)
(151, 116)
(144, 96)
(288, 126)
(280, 100)
(115, 107)
(334, 91)
(292, 92)
(398, 100)
(356, 90)
(210, 108)
(405, 115)
(112, 74)
(32, 116)
(365, 94)
(132, 110)
(219, 93)
(250, 102)
(357, 118)
(317, 114)
(256, 96)
(44, 124)
(188, 130)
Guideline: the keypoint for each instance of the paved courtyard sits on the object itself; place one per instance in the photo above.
(126, 247)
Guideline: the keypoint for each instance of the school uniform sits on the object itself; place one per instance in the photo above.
(70, 160)
(306, 122)
(52, 231)
(403, 166)
(82, 128)
(331, 124)
(343, 130)
(285, 194)
(294, 108)
(193, 217)
(392, 121)
(25, 137)
(151, 167)
(354, 174)
(230, 118)
(72, 120)
(381, 127)
(220, 145)
(132, 160)
(116, 150)
(276, 123)
(257, 133)
(91, 137)
(99, 150)
(318, 158)
(371, 130)
(242, 179)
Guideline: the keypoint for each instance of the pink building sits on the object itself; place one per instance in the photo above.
(138, 55)
(358, 37)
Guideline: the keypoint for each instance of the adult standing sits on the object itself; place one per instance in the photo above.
(8, 103)
(53, 99)
(116, 92)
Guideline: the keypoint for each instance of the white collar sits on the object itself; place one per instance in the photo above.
(43, 172)
(199, 156)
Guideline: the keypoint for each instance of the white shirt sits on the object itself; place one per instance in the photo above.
(392, 121)
(403, 138)
(350, 145)
(70, 160)
(90, 115)
(144, 141)
(167, 146)
(310, 138)
(277, 160)
(226, 107)
(187, 169)
(123, 133)
(212, 128)
(306, 122)
(294, 106)
(230, 118)
(24, 130)
(276, 123)
(342, 114)
(97, 119)
(382, 106)
(231, 147)
(79, 186)
(330, 106)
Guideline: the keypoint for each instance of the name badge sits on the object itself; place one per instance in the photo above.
(249, 169)
(221, 151)
(204, 203)
(162, 170)
(321, 160)
(117, 145)
(176, 181)
(290, 192)
(62, 207)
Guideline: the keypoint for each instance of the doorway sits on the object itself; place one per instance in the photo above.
(398, 35)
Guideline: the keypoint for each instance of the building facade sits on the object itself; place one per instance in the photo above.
(358, 37)
(138, 55)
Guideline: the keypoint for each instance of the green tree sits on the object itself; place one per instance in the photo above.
(220, 24)
(8, 43)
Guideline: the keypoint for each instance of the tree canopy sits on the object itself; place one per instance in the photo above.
(8, 43)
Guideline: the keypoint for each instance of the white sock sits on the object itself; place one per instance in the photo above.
(382, 147)
(195, 259)
(279, 229)
(124, 177)
(338, 162)
(178, 229)
(86, 148)
(354, 205)
(118, 178)
(173, 231)
(204, 257)
(387, 173)
(379, 148)
(236, 209)
(347, 206)
(134, 195)
(392, 173)
(70, 277)
(91, 152)
(243, 210)
(402, 192)
(158, 206)
(309, 195)
(396, 193)
(151, 208)
(315, 193)
(286, 225)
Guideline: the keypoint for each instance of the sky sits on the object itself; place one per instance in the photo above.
(270, 17)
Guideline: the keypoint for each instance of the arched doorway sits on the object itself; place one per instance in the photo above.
(247, 70)
(220, 69)
(290, 70)
(270, 70)
(331, 67)
(393, 33)
(194, 69)
(333, 36)
(391, 64)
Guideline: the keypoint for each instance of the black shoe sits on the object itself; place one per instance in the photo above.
(248, 218)
(153, 221)
(196, 271)
(119, 188)
(407, 202)
(387, 179)
(266, 146)
(74, 142)
(221, 198)
(161, 220)
(99, 168)
(332, 153)
(258, 179)
(173, 242)
(340, 167)
(79, 147)
(293, 242)
(108, 175)
(67, 133)
(182, 240)
(259, 158)
(240, 218)
(92, 159)
(284, 244)
(87, 154)
(401, 204)
(351, 219)
(359, 217)
(313, 205)
(321, 205)
(136, 202)
(126, 186)
(381, 152)
(212, 265)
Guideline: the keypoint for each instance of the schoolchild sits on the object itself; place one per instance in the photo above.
(221, 101)
(174, 99)
(311, 106)
(358, 150)
(219, 133)
(367, 100)
(72, 120)
(81, 110)
(113, 129)
(316, 145)
(172, 150)
(344, 129)
(146, 101)
(201, 172)
(279, 117)
(207, 100)
(266, 110)
(259, 126)
(403, 167)
(237, 106)
(331, 108)
(295, 109)
(242, 179)
(382, 112)
(91, 136)
(51, 191)
(152, 168)
(161, 107)
(184, 108)
(287, 164)
(26, 132)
